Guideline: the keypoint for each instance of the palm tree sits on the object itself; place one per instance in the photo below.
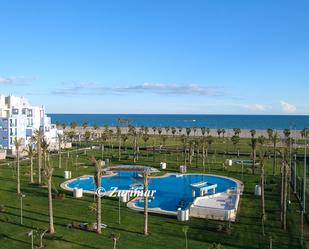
(253, 133)
(159, 130)
(124, 138)
(73, 125)
(134, 134)
(185, 231)
(184, 143)
(208, 131)
(194, 131)
(275, 139)
(285, 190)
(209, 141)
(87, 136)
(48, 170)
(204, 146)
(173, 131)
(146, 130)
(118, 134)
(71, 135)
(197, 149)
(164, 138)
(145, 139)
(261, 140)
(253, 146)
(191, 151)
(146, 202)
(167, 129)
(223, 132)
(154, 129)
(30, 153)
(39, 135)
(287, 133)
(45, 146)
(98, 179)
(235, 140)
(237, 131)
(263, 155)
(85, 125)
(203, 131)
(18, 143)
(60, 138)
(188, 131)
(219, 131)
(115, 237)
(270, 133)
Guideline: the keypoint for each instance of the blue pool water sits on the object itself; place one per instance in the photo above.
(171, 190)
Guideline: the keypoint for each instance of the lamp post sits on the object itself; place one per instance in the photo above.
(21, 207)
(30, 234)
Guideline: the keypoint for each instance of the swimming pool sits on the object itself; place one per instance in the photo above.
(172, 190)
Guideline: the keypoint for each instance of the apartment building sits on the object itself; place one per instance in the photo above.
(19, 119)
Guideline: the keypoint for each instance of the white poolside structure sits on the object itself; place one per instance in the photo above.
(220, 206)
(20, 119)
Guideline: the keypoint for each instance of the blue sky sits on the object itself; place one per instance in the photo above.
(225, 57)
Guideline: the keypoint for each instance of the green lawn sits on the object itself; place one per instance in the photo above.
(165, 232)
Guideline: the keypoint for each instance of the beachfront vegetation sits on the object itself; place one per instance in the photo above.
(272, 219)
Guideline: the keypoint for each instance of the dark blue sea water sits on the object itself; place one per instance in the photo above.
(173, 120)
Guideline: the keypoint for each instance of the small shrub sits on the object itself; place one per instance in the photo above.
(219, 228)
(2, 208)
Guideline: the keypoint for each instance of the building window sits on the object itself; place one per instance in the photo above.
(29, 114)
(24, 111)
(15, 111)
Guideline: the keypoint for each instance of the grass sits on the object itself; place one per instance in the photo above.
(165, 232)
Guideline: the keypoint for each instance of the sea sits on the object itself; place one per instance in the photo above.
(183, 120)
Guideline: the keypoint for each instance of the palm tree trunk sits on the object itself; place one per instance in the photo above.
(285, 195)
(50, 206)
(274, 160)
(59, 155)
(99, 206)
(253, 162)
(282, 193)
(114, 243)
(203, 152)
(119, 150)
(99, 214)
(262, 198)
(135, 149)
(31, 169)
(39, 159)
(18, 173)
(145, 203)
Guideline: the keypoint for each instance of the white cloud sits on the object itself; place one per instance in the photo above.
(157, 88)
(287, 107)
(258, 107)
(14, 80)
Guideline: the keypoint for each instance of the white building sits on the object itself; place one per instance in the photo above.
(19, 119)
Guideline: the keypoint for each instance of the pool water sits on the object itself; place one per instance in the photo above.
(172, 191)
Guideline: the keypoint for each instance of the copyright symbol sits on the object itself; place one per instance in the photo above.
(100, 191)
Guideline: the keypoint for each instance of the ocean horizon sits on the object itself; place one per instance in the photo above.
(243, 121)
